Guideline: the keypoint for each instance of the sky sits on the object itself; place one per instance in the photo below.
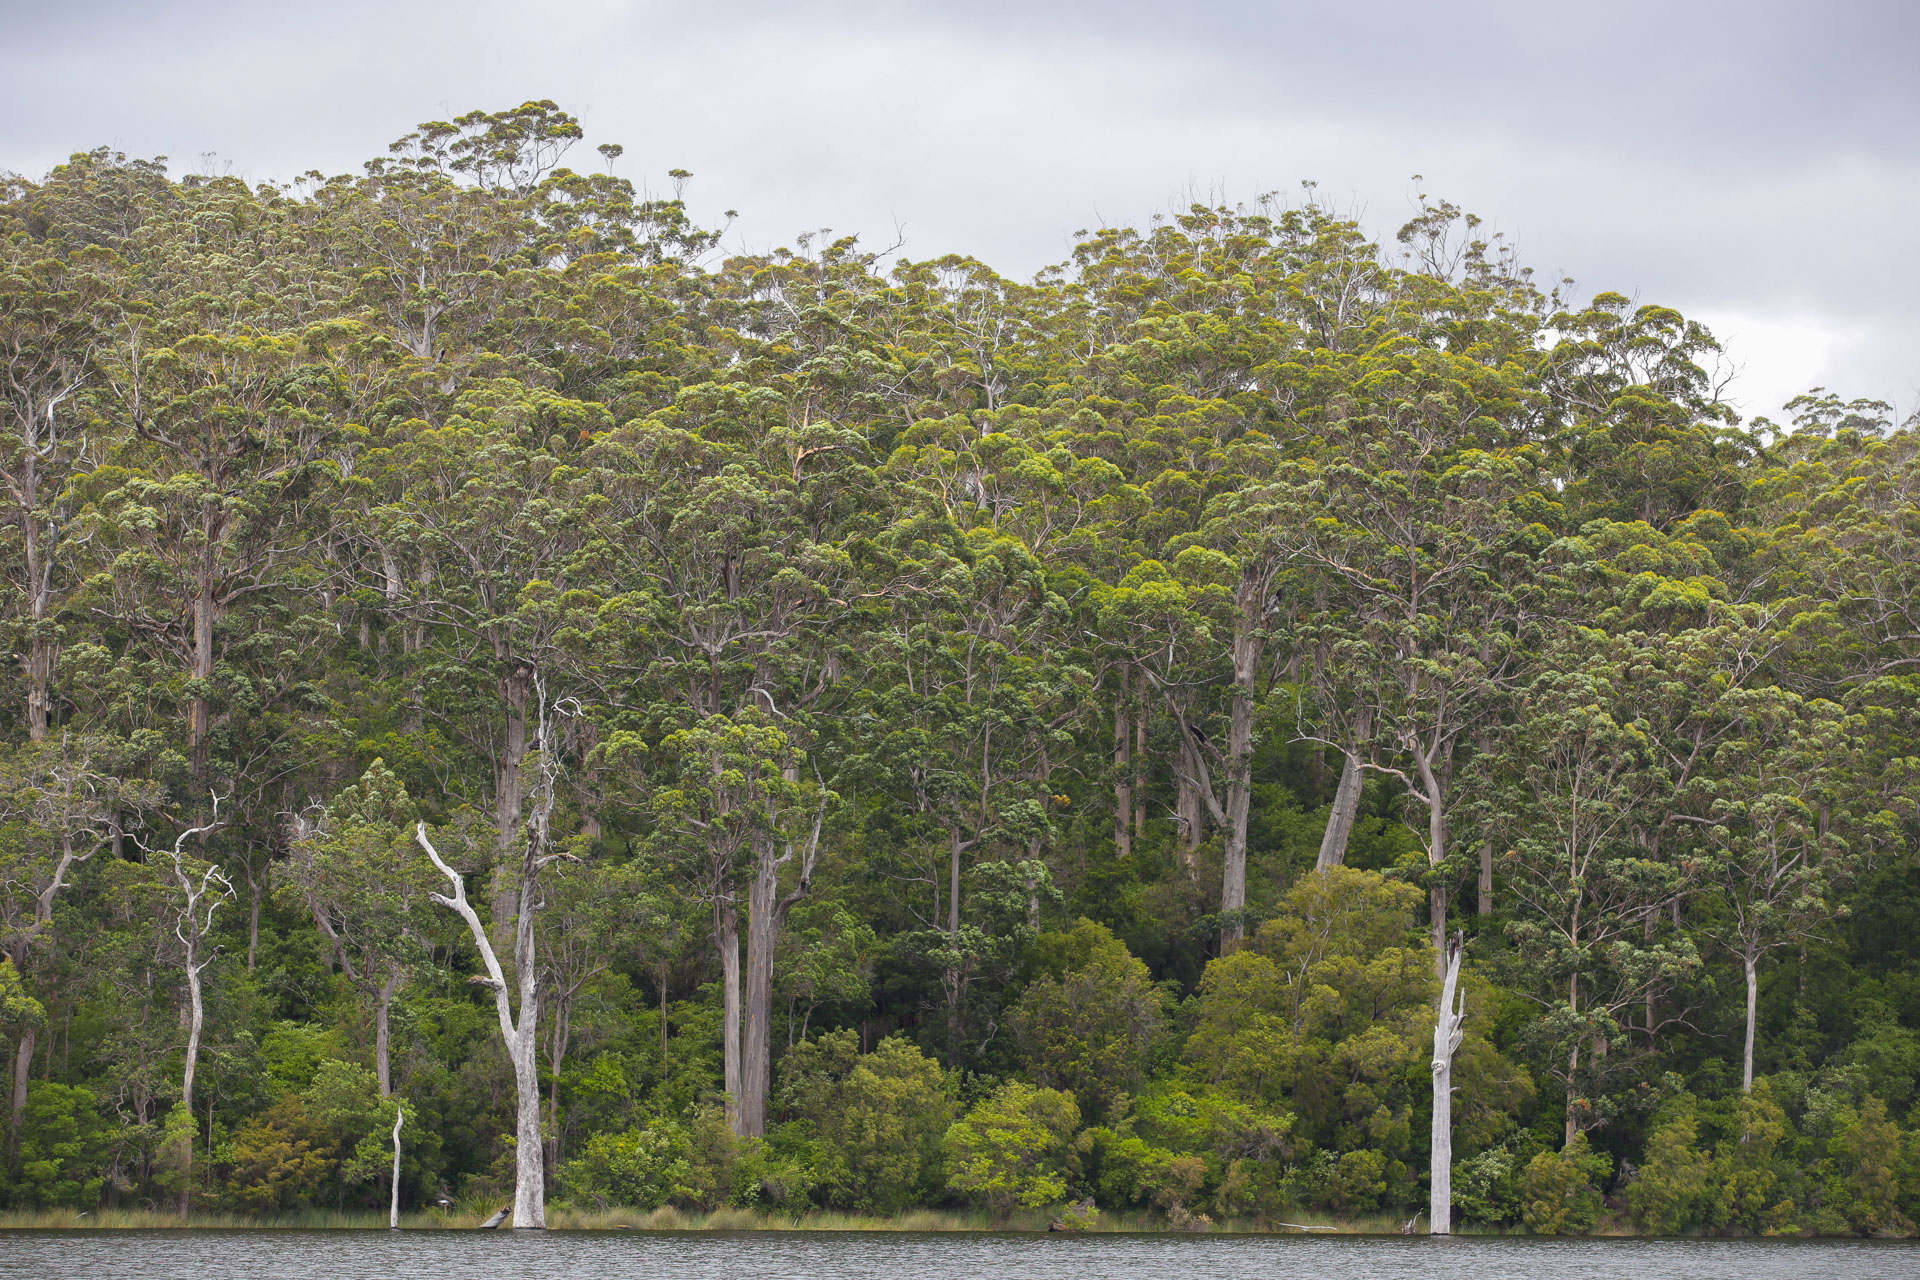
(1754, 163)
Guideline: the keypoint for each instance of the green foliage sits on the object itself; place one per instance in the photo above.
(876, 1120)
(1560, 1190)
(1091, 1027)
(63, 1143)
(644, 1167)
(1014, 1148)
(976, 661)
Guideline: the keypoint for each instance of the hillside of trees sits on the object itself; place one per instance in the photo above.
(827, 729)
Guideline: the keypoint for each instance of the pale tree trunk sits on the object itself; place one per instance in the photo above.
(383, 1033)
(393, 1210)
(1447, 1032)
(767, 911)
(1246, 658)
(191, 927)
(22, 1069)
(1122, 775)
(1140, 759)
(726, 933)
(763, 933)
(199, 709)
(1340, 819)
(519, 1035)
(1485, 903)
(1750, 963)
(515, 688)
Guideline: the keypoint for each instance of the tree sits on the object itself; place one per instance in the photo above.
(877, 1119)
(1014, 1148)
(519, 1027)
(739, 800)
(350, 869)
(1089, 1025)
(51, 332)
(1772, 858)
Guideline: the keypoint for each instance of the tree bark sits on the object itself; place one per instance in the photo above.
(1122, 774)
(22, 1071)
(1485, 900)
(383, 1035)
(520, 1035)
(1447, 1032)
(1750, 964)
(1340, 818)
(199, 708)
(1246, 659)
(763, 933)
(726, 932)
(393, 1209)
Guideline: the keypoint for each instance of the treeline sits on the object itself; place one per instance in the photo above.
(811, 729)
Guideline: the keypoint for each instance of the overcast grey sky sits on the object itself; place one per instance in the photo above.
(1754, 163)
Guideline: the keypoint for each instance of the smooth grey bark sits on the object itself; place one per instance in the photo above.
(199, 902)
(726, 931)
(1340, 819)
(519, 1034)
(767, 910)
(1447, 1031)
(1750, 963)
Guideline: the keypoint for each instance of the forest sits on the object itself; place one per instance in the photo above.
(827, 731)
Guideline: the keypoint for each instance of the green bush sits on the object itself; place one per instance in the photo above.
(876, 1119)
(1676, 1186)
(1014, 1148)
(644, 1167)
(63, 1146)
(1557, 1192)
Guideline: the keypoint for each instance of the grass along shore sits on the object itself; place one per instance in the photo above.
(570, 1218)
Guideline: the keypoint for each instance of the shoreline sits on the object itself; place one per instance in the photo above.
(570, 1219)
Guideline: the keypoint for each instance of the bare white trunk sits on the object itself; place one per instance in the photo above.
(1753, 1010)
(393, 1210)
(519, 1036)
(1451, 1013)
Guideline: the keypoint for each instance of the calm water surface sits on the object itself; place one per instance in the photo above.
(819, 1255)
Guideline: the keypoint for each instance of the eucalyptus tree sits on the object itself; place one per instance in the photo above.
(735, 807)
(1583, 774)
(348, 864)
(211, 498)
(516, 991)
(1772, 857)
(1413, 522)
(52, 328)
(62, 800)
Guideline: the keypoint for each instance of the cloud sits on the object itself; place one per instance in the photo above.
(1752, 160)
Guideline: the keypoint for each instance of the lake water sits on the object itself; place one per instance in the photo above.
(820, 1255)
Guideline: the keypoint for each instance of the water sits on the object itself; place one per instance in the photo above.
(822, 1255)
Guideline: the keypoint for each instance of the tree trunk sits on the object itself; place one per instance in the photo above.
(763, 934)
(726, 932)
(1246, 658)
(1447, 1031)
(22, 1070)
(1340, 819)
(253, 917)
(1485, 901)
(1751, 966)
(515, 687)
(1122, 775)
(521, 1035)
(39, 590)
(383, 1035)
(1140, 759)
(199, 709)
(393, 1210)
